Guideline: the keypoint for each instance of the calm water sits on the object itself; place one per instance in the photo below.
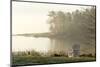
(21, 43)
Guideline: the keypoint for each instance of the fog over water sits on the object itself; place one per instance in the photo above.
(33, 18)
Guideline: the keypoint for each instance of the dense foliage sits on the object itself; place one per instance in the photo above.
(77, 26)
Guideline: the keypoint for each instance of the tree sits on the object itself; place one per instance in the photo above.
(76, 27)
(58, 21)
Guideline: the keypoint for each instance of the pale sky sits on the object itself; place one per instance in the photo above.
(32, 17)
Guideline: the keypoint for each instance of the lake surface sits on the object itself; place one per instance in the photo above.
(21, 43)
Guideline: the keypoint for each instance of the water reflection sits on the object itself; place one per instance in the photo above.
(51, 45)
(20, 43)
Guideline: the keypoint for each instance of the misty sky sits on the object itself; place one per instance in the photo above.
(32, 17)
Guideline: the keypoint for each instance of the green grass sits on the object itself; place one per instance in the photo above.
(35, 60)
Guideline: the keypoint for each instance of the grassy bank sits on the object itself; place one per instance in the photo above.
(34, 60)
